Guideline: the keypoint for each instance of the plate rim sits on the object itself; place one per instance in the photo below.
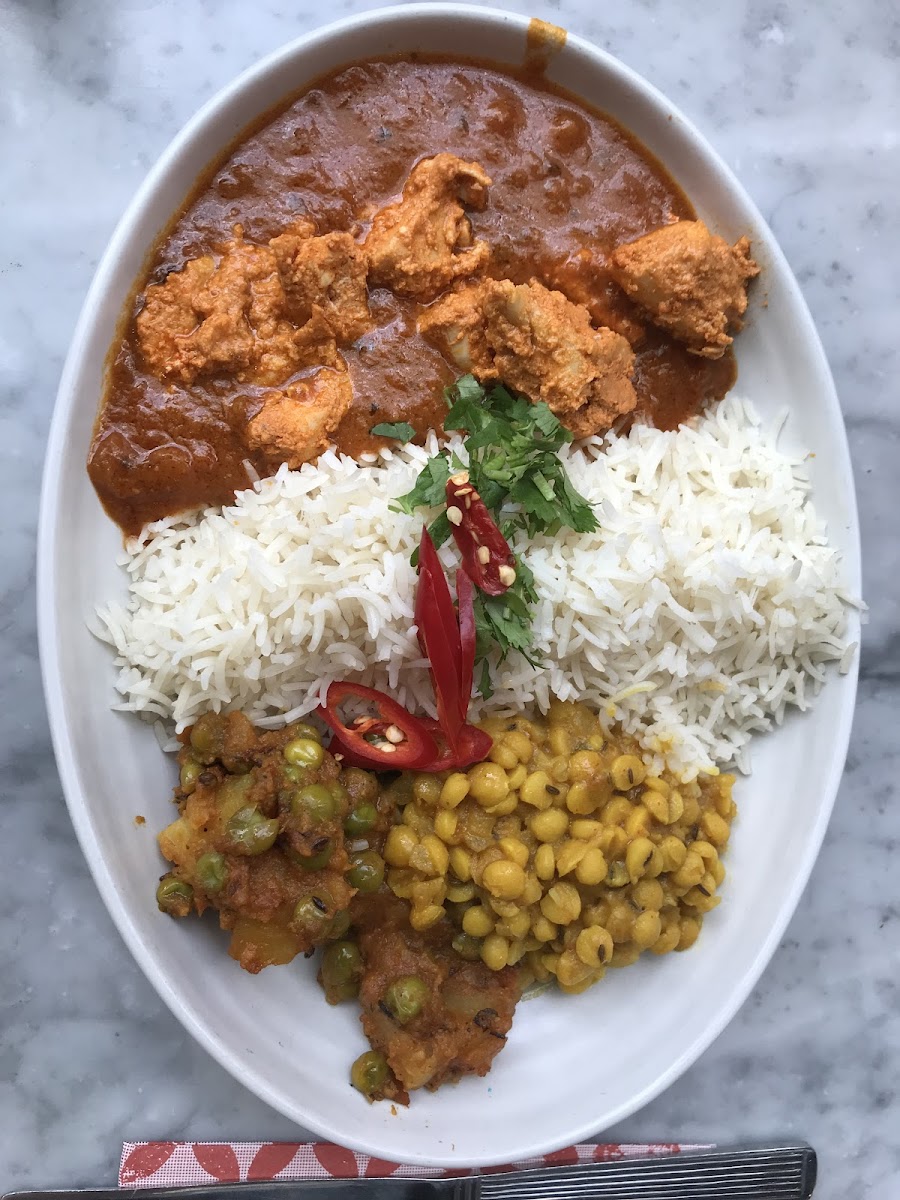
(47, 585)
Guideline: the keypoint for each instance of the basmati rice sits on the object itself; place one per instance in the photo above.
(707, 602)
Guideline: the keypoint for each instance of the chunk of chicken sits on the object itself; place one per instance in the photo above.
(690, 282)
(420, 245)
(225, 316)
(456, 325)
(295, 423)
(584, 278)
(545, 346)
(168, 325)
(468, 1010)
(241, 315)
(328, 273)
(539, 343)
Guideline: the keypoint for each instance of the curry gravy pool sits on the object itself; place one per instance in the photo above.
(567, 186)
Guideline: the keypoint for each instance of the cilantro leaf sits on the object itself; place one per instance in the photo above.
(485, 686)
(401, 430)
(504, 622)
(538, 511)
(501, 625)
(547, 423)
(579, 515)
(467, 387)
(439, 529)
(430, 488)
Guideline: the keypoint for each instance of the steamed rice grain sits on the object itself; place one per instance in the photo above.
(706, 604)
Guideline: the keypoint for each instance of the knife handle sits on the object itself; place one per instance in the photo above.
(786, 1172)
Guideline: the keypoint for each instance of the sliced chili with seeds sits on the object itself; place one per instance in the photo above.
(486, 555)
(391, 740)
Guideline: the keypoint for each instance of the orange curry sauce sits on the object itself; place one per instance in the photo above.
(569, 184)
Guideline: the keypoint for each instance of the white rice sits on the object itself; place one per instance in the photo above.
(707, 602)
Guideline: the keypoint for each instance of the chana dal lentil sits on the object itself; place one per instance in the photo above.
(561, 853)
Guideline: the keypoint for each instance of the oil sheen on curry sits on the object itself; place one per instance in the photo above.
(400, 224)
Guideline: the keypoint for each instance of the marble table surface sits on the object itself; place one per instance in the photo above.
(803, 100)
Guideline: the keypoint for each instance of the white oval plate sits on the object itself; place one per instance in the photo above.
(574, 1065)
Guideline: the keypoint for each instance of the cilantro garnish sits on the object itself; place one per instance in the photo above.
(401, 430)
(514, 465)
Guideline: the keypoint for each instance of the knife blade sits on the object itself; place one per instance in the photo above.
(774, 1172)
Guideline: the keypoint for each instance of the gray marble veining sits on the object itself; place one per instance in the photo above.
(804, 102)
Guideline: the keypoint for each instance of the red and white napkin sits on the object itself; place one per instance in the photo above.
(161, 1164)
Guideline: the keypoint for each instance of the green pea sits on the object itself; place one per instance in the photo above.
(303, 752)
(361, 784)
(252, 833)
(207, 737)
(311, 913)
(189, 774)
(314, 801)
(361, 819)
(341, 961)
(341, 969)
(366, 872)
(314, 862)
(211, 872)
(338, 790)
(406, 997)
(369, 1073)
(467, 947)
(340, 924)
(174, 896)
(300, 729)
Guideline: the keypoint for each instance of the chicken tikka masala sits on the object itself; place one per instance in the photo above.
(398, 225)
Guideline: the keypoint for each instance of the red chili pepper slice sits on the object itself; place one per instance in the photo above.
(441, 611)
(417, 750)
(439, 638)
(465, 600)
(445, 757)
(447, 639)
(485, 552)
(474, 746)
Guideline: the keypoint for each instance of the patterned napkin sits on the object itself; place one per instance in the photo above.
(161, 1164)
